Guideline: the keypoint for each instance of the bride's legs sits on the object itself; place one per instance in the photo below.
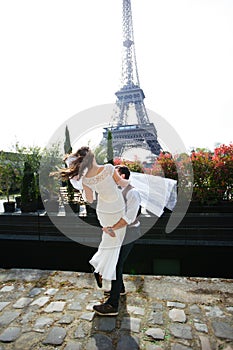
(98, 278)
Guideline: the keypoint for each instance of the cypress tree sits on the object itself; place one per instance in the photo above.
(67, 143)
(28, 189)
(68, 149)
(109, 148)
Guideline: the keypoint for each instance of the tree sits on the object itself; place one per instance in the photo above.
(68, 150)
(100, 154)
(32, 155)
(8, 176)
(29, 194)
(109, 148)
(51, 159)
(67, 143)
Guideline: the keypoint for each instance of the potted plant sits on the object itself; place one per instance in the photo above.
(27, 162)
(8, 181)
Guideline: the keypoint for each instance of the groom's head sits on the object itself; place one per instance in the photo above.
(123, 171)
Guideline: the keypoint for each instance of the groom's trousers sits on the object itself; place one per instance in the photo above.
(117, 285)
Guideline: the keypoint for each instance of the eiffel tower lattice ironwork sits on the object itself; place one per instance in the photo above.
(130, 100)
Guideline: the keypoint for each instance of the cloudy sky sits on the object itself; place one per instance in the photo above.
(62, 57)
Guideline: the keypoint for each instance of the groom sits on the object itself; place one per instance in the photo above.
(130, 219)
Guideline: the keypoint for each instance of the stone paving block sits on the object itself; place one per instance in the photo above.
(35, 291)
(73, 346)
(40, 301)
(156, 333)
(201, 327)
(88, 316)
(156, 317)
(175, 304)
(223, 329)
(96, 295)
(51, 291)
(150, 346)
(89, 306)
(55, 306)
(56, 336)
(21, 288)
(181, 331)
(194, 309)
(82, 296)
(80, 331)
(104, 323)
(10, 334)
(131, 323)
(134, 300)
(130, 286)
(27, 317)
(28, 275)
(177, 315)
(75, 306)
(28, 341)
(213, 311)
(205, 343)
(157, 306)
(7, 317)
(64, 295)
(42, 323)
(3, 304)
(7, 289)
(128, 342)
(229, 309)
(66, 319)
(99, 341)
(136, 310)
(180, 347)
(22, 302)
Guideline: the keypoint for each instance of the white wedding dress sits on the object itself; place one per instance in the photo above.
(109, 209)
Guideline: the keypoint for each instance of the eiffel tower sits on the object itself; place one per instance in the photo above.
(130, 100)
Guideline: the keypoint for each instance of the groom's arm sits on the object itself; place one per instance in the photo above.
(121, 223)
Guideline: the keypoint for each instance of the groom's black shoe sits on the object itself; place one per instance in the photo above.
(105, 310)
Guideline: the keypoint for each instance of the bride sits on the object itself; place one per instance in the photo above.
(84, 173)
(104, 180)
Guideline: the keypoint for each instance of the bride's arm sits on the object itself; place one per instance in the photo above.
(88, 193)
(119, 181)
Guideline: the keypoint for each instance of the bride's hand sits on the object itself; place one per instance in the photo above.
(109, 231)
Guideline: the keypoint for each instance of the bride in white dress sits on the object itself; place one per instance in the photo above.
(110, 209)
(104, 180)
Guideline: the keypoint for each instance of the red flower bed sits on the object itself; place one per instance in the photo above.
(212, 172)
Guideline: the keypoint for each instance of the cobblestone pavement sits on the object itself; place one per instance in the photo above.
(45, 310)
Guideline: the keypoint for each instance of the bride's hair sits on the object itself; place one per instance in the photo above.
(83, 159)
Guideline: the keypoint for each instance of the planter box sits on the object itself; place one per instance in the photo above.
(202, 244)
(29, 207)
(9, 207)
(71, 207)
(222, 207)
(52, 206)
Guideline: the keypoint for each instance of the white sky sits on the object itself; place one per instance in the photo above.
(61, 57)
